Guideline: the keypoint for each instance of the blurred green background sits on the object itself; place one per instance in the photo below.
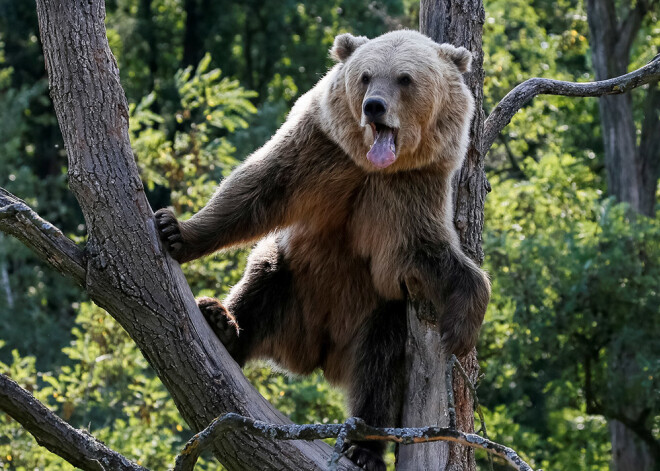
(576, 275)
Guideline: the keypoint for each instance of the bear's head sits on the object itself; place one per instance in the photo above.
(398, 101)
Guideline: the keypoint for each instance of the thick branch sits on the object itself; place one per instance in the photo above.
(47, 241)
(523, 93)
(77, 447)
(353, 429)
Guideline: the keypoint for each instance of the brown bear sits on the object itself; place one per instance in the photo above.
(352, 199)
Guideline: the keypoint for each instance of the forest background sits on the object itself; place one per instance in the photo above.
(576, 274)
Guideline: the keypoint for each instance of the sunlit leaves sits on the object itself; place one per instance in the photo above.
(190, 151)
(575, 302)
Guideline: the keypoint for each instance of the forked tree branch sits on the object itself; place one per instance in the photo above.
(523, 93)
(47, 241)
(75, 446)
(353, 429)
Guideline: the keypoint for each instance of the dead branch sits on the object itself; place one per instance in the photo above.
(523, 93)
(47, 241)
(77, 447)
(353, 429)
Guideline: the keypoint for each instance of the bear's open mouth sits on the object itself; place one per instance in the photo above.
(383, 150)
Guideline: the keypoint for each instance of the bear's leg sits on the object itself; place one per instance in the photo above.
(377, 384)
(458, 288)
(256, 308)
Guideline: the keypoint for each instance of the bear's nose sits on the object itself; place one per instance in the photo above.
(374, 108)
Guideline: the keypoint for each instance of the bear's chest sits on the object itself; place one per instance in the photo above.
(391, 213)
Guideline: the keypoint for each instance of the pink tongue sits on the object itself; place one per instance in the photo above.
(382, 151)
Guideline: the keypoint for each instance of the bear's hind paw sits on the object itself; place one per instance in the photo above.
(222, 323)
(365, 459)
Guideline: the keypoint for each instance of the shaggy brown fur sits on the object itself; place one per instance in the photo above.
(347, 226)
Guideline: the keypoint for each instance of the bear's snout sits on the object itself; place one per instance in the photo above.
(374, 108)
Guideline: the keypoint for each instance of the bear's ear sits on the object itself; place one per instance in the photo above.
(458, 55)
(344, 46)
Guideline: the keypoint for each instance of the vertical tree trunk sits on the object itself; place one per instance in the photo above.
(425, 400)
(147, 30)
(632, 171)
(4, 282)
(618, 127)
(629, 453)
(460, 23)
(192, 42)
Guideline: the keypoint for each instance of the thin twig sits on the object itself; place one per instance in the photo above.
(47, 241)
(353, 429)
(523, 93)
(76, 446)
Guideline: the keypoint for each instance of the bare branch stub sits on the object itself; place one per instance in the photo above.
(353, 429)
(523, 93)
(47, 241)
(77, 447)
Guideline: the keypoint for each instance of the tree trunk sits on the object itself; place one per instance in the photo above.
(632, 169)
(459, 23)
(127, 272)
(145, 16)
(629, 453)
(192, 41)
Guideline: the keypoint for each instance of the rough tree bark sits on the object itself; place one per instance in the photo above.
(124, 269)
(459, 23)
(126, 272)
(633, 169)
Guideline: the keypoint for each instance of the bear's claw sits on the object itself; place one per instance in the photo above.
(169, 232)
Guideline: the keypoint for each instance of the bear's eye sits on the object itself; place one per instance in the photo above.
(365, 78)
(405, 80)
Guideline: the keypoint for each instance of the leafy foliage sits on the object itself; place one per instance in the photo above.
(575, 295)
(575, 276)
(189, 152)
(108, 389)
(35, 303)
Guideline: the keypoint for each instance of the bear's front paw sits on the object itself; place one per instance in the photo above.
(170, 233)
(464, 310)
(222, 323)
(365, 459)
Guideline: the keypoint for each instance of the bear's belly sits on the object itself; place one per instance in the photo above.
(379, 239)
(334, 292)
